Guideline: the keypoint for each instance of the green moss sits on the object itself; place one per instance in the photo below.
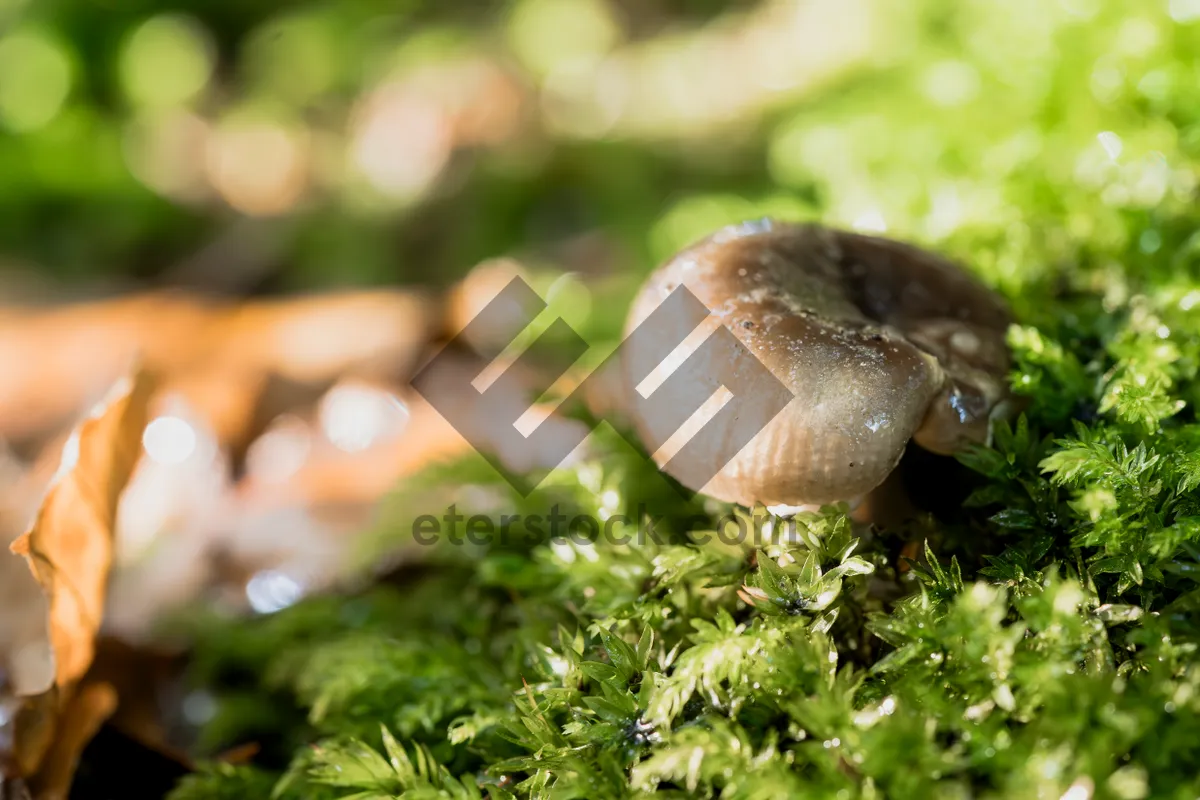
(1046, 639)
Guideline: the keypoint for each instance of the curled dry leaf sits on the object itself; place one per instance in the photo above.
(69, 547)
(217, 353)
(68, 550)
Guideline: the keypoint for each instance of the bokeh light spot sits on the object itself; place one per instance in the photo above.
(169, 440)
(165, 151)
(35, 79)
(400, 142)
(271, 590)
(167, 61)
(258, 164)
(354, 417)
(294, 58)
(547, 33)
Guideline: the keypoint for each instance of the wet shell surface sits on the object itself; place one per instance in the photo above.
(878, 341)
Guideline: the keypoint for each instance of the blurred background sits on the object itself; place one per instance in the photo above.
(251, 148)
(282, 206)
(274, 146)
(267, 147)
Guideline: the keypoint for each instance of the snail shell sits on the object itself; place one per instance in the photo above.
(879, 342)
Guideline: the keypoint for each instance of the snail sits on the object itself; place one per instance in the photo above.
(878, 343)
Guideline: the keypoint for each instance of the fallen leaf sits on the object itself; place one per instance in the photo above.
(87, 710)
(69, 547)
(217, 352)
(68, 550)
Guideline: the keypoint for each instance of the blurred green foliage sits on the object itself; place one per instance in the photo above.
(1019, 136)
(110, 147)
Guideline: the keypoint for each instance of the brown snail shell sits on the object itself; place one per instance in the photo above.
(878, 341)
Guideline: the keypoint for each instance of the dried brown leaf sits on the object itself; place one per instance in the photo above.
(56, 360)
(70, 545)
(68, 550)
